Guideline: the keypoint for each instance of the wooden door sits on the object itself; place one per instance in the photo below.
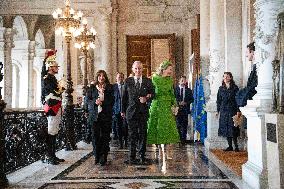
(142, 48)
(139, 49)
(195, 45)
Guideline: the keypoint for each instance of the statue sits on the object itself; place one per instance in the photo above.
(275, 87)
(278, 69)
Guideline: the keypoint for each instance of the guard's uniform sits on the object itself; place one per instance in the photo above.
(52, 103)
(52, 100)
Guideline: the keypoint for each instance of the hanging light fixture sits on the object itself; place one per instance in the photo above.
(85, 39)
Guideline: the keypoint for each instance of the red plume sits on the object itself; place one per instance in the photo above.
(50, 52)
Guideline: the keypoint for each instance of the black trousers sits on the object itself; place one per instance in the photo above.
(182, 123)
(137, 132)
(236, 133)
(101, 136)
(121, 128)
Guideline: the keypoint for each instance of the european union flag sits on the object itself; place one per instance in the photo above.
(199, 114)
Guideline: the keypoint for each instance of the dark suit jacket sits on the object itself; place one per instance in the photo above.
(117, 107)
(188, 98)
(130, 101)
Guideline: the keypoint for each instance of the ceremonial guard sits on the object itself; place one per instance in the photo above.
(52, 100)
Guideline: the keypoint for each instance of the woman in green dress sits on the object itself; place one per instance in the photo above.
(162, 129)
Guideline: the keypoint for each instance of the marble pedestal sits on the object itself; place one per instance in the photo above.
(254, 171)
(213, 141)
(275, 150)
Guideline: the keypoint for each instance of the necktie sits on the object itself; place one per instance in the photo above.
(119, 89)
(120, 95)
(181, 93)
(137, 84)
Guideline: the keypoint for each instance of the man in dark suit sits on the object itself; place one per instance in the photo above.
(120, 125)
(246, 93)
(138, 90)
(184, 98)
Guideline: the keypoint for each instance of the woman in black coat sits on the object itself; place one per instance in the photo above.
(227, 108)
(102, 100)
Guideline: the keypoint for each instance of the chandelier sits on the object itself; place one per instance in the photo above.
(84, 40)
(85, 37)
(67, 20)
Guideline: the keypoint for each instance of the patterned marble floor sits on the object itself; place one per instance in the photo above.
(189, 168)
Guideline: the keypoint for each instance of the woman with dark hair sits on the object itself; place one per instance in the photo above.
(227, 108)
(100, 99)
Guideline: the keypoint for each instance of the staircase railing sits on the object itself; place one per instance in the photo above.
(25, 131)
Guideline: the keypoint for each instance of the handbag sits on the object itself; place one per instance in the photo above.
(238, 120)
(174, 110)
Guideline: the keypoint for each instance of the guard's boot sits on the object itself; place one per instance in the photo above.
(49, 157)
(54, 149)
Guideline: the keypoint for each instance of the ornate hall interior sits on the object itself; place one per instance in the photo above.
(203, 40)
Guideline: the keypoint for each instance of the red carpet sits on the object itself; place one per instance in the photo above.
(234, 160)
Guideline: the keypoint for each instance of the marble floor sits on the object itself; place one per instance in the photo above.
(191, 167)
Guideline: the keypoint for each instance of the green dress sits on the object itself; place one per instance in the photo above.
(161, 123)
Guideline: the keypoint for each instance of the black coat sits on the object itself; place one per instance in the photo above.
(92, 108)
(130, 101)
(227, 107)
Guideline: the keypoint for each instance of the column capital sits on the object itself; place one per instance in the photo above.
(266, 28)
(266, 12)
(31, 49)
(8, 38)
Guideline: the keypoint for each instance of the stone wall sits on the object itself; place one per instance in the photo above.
(157, 17)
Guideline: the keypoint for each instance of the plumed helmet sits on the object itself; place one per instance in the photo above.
(50, 58)
(50, 52)
(50, 61)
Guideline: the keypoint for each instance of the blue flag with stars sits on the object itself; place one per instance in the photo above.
(199, 114)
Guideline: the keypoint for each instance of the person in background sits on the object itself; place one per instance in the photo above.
(100, 99)
(246, 93)
(120, 125)
(249, 91)
(89, 111)
(52, 102)
(227, 108)
(184, 98)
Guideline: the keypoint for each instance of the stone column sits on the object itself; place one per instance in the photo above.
(205, 44)
(254, 172)
(8, 45)
(106, 54)
(233, 38)
(115, 14)
(216, 70)
(31, 56)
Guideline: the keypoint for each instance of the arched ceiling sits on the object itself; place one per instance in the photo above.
(39, 39)
(21, 29)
